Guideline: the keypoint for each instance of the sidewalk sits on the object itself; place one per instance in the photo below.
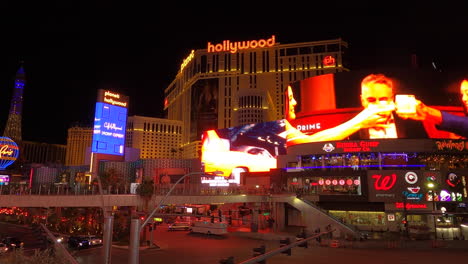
(154, 247)
(267, 234)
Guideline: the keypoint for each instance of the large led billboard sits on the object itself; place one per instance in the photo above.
(372, 105)
(248, 148)
(335, 110)
(110, 121)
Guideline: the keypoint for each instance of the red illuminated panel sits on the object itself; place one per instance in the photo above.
(322, 85)
(328, 61)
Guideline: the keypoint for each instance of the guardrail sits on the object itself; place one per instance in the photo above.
(282, 249)
(181, 189)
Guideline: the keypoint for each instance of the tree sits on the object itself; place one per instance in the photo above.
(111, 177)
(146, 190)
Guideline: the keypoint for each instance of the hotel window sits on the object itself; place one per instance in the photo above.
(291, 51)
(333, 47)
(319, 49)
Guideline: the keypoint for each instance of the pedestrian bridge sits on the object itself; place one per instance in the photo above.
(130, 200)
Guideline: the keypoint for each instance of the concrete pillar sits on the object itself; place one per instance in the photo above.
(134, 247)
(108, 230)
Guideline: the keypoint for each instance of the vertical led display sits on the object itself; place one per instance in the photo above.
(110, 120)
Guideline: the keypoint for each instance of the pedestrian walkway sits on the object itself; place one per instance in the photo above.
(375, 240)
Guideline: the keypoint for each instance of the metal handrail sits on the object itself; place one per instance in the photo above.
(277, 251)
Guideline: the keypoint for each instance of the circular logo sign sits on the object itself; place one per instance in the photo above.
(411, 177)
(8, 152)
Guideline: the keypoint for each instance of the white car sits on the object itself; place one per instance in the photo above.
(94, 241)
(180, 226)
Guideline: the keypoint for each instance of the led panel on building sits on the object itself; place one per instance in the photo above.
(110, 123)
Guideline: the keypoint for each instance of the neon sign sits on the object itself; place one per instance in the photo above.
(9, 152)
(357, 146)
(328, 61)
(111, 98)
(450, 145)
(384, 183)
(400, 205)
(187, 60)
(411, 177)
(233, 47)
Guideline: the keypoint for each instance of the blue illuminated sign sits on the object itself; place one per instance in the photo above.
(109, 129)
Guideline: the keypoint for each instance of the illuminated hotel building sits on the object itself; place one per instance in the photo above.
(155, 137)
(36, 152)
(78, 142)
(235, 83)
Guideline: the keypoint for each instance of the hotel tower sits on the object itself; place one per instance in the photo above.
(240, 82)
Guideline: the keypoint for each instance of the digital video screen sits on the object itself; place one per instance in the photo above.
(248, 148)
(109, 129)
(360, 105)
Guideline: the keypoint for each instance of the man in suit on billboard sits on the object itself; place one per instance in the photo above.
(376, 121)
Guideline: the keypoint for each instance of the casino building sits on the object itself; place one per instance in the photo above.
(241, 82)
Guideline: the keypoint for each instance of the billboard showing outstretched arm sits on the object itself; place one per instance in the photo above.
(367, 105)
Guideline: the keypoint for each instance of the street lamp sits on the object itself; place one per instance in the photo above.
(431, 186)
(135, 226)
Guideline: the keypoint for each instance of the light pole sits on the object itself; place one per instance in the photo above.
(135, 227)
(431, 187)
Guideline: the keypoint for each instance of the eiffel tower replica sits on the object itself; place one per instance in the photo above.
(13, 125)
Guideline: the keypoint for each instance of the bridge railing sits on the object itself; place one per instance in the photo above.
(162, 189)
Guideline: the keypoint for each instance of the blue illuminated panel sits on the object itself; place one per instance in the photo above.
(109, 129)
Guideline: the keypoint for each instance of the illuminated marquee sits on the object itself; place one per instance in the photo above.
(233, 47)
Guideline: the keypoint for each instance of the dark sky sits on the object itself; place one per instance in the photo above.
(72, 48)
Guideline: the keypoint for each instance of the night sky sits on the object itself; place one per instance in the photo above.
(72, 48)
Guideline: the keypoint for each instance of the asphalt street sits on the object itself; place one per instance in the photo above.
(185, 248)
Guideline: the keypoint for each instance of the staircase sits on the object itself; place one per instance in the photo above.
(315, 217)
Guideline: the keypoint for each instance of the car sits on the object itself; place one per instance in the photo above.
(94, 241)
(3, 248)
(13, 242)
(180, 226)
(78, 242)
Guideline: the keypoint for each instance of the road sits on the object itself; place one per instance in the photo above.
(23, 233)
(185, 248)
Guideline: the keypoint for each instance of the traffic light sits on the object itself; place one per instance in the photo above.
(285, 242)
(259, 251)
(229, 260)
